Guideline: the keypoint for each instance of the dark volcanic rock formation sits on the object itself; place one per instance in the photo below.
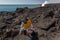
(46, 21)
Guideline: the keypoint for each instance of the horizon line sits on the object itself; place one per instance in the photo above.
(22, 3)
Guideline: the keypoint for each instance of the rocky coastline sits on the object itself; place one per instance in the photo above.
(46, 20)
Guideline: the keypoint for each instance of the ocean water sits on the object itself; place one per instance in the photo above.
(13, 7)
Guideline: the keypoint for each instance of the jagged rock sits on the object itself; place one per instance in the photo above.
(50, 14)
(46, 20)
(2, 26)
(18, 10)
(50, 26)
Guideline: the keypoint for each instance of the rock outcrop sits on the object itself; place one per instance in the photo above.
(46, 21)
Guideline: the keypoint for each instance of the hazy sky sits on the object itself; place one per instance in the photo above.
(26, 1)
(54, 1)
(20, 1)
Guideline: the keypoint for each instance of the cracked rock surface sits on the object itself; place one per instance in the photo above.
(46, 21)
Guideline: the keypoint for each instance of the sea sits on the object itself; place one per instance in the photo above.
(14, 7)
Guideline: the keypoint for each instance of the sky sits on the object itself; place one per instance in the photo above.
(21, 1)
(54, 1)
(27, 1)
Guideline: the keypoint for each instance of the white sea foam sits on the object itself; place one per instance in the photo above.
(44, 3)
